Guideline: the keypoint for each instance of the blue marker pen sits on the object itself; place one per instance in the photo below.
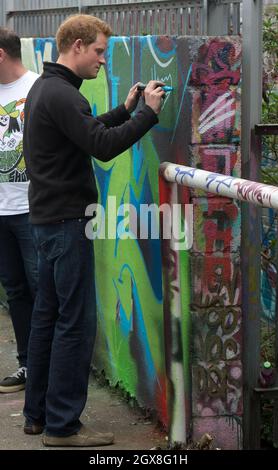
(165, 88)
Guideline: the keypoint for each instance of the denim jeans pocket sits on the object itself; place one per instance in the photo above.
(50, 240)
(81, 227)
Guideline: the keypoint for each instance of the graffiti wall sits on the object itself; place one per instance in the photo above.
(198, 126)
(215, 257)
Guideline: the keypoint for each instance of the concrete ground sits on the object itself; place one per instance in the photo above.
(106, 410)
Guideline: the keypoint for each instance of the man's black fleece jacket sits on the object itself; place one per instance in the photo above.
(61, 135)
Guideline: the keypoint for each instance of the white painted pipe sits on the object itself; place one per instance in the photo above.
(260, 194)
(223, 185)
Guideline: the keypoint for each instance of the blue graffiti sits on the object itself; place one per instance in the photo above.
(181, 102)
(150, 249)
(39, 48)
(225, 181)
(146, 363)
(103, 177)
(191, 172)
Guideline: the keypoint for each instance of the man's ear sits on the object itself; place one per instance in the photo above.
(2, 55)
(77, 45)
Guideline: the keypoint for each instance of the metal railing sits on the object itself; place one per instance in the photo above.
(225, 186)
(259, 194)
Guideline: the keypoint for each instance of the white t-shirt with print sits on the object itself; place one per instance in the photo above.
(13, 179)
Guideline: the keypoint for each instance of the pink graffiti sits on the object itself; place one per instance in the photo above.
(254, 192)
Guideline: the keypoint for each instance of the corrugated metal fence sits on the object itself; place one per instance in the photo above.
(126, 17)
(2, 14)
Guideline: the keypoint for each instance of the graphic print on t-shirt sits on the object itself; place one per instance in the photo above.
(12, 164)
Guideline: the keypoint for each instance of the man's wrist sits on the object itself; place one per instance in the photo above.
(127, 108)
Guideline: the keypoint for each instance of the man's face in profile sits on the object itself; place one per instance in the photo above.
(92, 57)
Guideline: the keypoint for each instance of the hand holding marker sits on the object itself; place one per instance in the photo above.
(142, 86)
(152, 94)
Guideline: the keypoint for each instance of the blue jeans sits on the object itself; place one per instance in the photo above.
(63, 327)
(18, 275)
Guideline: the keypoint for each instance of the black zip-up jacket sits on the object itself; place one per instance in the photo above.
(61, 135)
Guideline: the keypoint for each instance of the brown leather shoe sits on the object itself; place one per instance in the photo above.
(34, 428)
(85, 437)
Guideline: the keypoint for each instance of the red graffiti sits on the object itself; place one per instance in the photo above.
(217, 66)
(215, 219)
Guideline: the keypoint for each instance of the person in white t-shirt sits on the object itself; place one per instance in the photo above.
(18, 258)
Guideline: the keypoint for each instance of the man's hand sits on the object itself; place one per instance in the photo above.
(132, 98)
(154, 95)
